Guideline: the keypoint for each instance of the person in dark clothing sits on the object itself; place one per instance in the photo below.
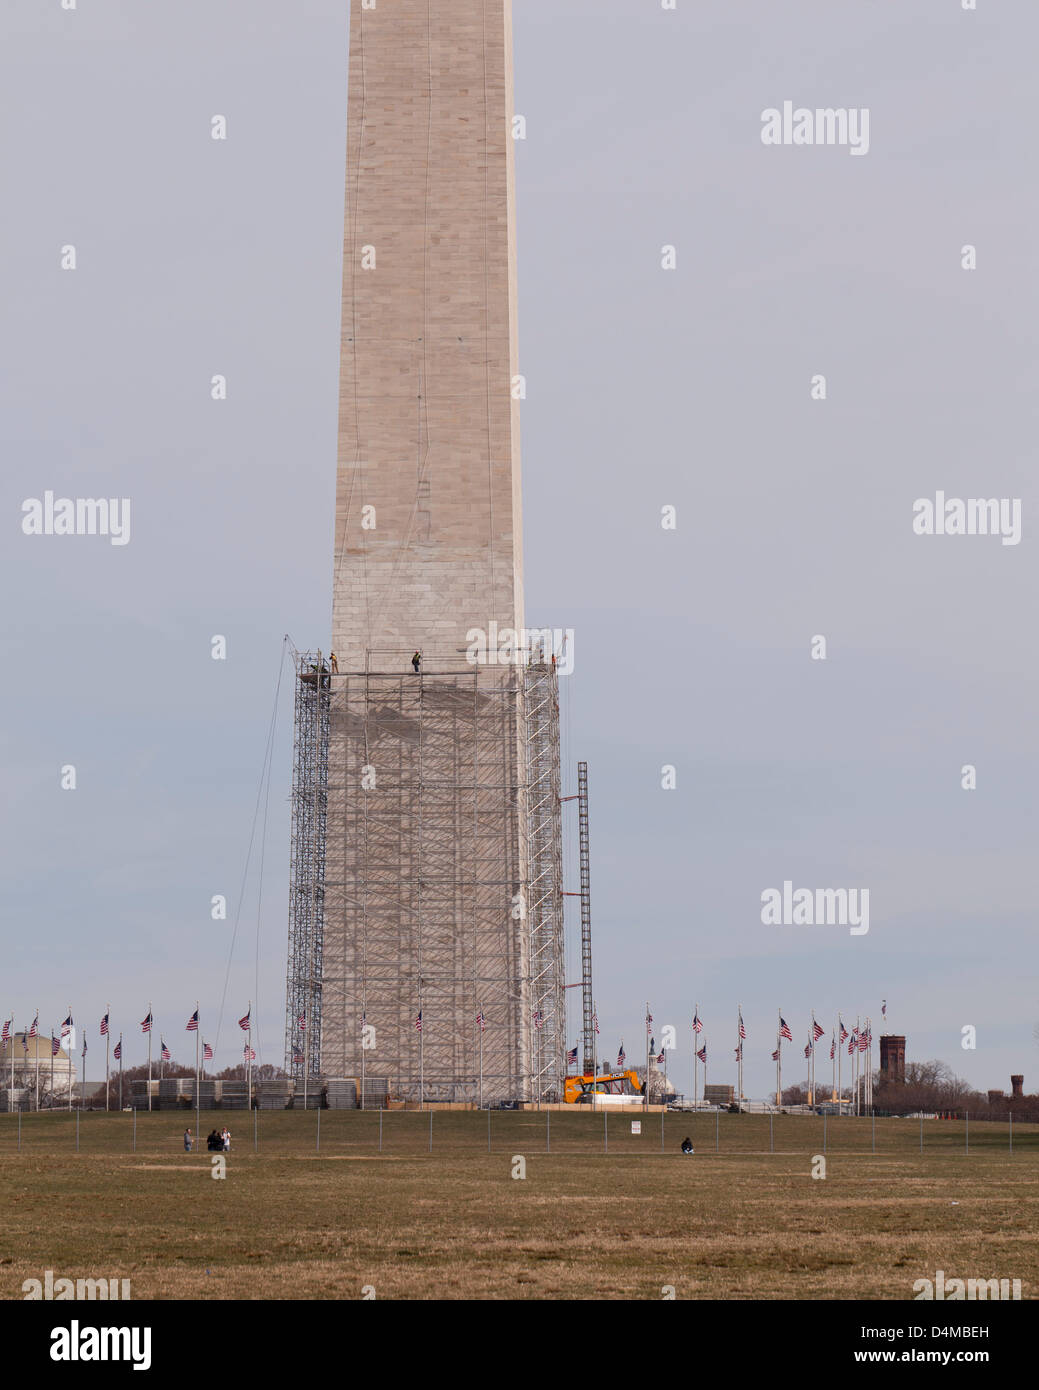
(415, 662)
(687, 1145)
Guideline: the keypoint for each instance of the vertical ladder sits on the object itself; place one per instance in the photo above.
(586, 916)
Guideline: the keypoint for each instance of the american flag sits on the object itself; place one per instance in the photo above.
(84, 1051)
(146, 1023)
(35, 1025)
(418, 1022)
(697, 1024)
(843, 1030)
(808, 1049)
(303, 1023)
(865, 1039)
(104, 1026)
(743, 1031)
(193, 1023)
(883, 1009)
(784, 1029)
(621, 1056)
(207, 1052)
(595, 1022)
(244, 1023)
(571, 1057)
(539, 1018)
(853, 1041)
(7, 1028)
(164, 1050)
(649, 1021)
(739, 1051)
(66, 1027)
(483, 1022)
(702, 1054)
(297, 1056)
(55, 1047)
(817, 1032)
(248, 1053)
(660, 1060)
(775, 1055)
(833, 1048)
(25, 1042)
(118, 1051)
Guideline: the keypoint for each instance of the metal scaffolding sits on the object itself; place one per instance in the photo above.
(303, 1014)
(587, 1007)
(430, 884)
(544, 903)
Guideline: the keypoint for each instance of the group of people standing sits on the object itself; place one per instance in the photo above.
(217, 1141)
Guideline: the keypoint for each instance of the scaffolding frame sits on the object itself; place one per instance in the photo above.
(587, 1006)
(544, 899)
(427, 878)
(303, 989)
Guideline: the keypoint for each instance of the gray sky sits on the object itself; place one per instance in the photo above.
(645, 387)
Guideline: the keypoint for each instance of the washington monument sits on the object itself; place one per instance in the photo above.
(426, 954)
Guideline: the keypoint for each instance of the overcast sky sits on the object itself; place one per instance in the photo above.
(646, 388)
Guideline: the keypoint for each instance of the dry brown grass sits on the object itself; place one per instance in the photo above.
(291, 1223)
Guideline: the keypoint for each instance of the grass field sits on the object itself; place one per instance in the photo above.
(294, 1221)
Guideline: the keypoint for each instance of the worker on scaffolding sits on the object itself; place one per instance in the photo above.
(334, 663)
(416, 661)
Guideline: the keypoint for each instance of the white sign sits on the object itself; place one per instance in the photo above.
(636, 1126)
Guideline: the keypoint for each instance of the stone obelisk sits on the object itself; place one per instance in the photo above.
(427, 540)
(428, 945)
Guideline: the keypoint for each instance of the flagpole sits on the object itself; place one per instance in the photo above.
(198, 1074)
(422, 1053)
(249, 1071)
(595, 1049)
(52, 1066)
(151, 1026)
(779, 1072)
(833, 1065)
(120, 1072)
(739, 1043)
(108, 1044)
(645, 1089)
(306, 1059)
(83, 1087)
(855, 1062)
(840, 1049)
(696, 1059)
(481, 1057)
(37, 1042)
(811, 1063)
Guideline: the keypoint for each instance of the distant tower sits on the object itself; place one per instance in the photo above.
(893, 1057)
(427, 862)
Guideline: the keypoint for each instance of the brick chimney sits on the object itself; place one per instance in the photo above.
(1017, 1086)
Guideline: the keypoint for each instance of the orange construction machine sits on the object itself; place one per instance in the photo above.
(581, 1088)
